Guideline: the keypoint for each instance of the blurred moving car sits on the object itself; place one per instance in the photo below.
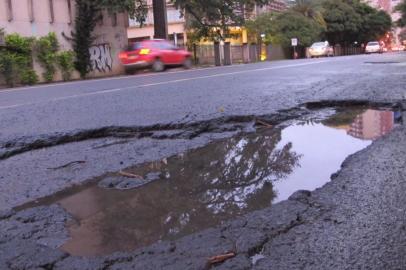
(373, 47)
(156, 54)
(397, 48)
(321, 49)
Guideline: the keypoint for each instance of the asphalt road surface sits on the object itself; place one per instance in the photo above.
(356, 221)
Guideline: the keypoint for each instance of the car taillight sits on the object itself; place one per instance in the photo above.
(144, 51)
(122, 55)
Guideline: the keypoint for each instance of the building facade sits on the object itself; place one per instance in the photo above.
(39, 17)
(372, 124)
(176, 26)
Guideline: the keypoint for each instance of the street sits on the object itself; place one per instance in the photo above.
(58, 136)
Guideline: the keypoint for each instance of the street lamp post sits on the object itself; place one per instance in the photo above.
(160, 19)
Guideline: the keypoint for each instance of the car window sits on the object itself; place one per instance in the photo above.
(134, 46)
(373, 43)
(166, 45)
(319, 44)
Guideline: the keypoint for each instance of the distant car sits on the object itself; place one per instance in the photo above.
(156, 54)
(373, 47)
(321, 49)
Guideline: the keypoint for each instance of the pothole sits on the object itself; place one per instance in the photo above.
(189, 192)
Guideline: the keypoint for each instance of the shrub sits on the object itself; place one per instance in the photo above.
(46, 48)
(8, 67)
(19, 44)
(65, 61)
(28, 76)
(16, 60)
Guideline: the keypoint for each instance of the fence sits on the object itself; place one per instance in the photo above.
(228, 54)
(341, 51)
(250, 53)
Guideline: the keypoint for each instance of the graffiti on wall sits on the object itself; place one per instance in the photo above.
(100, 57)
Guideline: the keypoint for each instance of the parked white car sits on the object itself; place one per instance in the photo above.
(321, 49)
(373, 47)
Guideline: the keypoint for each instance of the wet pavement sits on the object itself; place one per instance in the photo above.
(203, 188)
(56, 137)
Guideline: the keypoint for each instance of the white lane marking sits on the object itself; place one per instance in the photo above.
(166, 82)
(112, 78)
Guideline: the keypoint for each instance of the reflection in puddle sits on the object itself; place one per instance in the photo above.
(203, 187)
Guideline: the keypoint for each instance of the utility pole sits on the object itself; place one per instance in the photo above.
(160, 19)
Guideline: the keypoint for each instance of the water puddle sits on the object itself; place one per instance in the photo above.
(204, 187)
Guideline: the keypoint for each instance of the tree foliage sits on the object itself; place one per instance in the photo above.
(294, 25)
(342, 22)
(375, 24)
(211, 19)
(263, 24)
(338, 21)
(281, 28)
(351, 21)
(311, 9)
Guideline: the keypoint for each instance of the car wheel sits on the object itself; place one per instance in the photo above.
(158, 66)
(187, 64)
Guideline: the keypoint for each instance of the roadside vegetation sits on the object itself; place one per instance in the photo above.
(18, 54)
(341, 22)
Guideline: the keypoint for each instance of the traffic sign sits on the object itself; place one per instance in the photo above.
(294, 42)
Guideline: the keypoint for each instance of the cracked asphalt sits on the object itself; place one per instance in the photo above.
(356, 221)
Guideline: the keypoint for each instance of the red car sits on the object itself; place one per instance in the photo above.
(155, 54)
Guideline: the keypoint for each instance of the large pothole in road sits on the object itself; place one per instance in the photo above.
(202, 188)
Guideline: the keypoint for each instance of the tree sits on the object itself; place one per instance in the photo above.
(262, 24)
(311, 9)
(351, 20)
(343, 22)
(211, 19)
(88, 13)
(290, 25)
(374, 24)
(160, 19)
(281, 28)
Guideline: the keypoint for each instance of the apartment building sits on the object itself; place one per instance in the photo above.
(176, 26)
(39, 17)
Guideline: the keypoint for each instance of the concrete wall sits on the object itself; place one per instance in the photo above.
(111, 39)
